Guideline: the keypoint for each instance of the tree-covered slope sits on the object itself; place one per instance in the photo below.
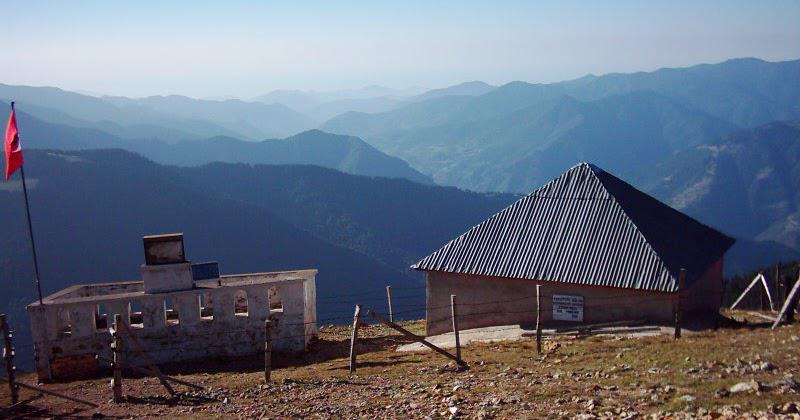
(344, 153)
(748, 181)
(519, 151)
(524, 129)
(392, 220)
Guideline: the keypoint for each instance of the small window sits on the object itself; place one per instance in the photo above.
(135, 313)
(64, 326)
(170, 312)
(206, 310)
(101, 321)
(240, 303)
(275, 302)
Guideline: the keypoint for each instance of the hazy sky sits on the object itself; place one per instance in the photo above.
(245, 48)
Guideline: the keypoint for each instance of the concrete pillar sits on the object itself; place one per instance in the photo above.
(81, 318)
(293, 297)
(258, 304)
(41, 343)
(121, 307)
(223, 305)
(310, 307)
(55, 317)
(188, 307)
(291, 327)
(153, 316)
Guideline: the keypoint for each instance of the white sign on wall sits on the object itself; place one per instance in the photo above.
(568, 308)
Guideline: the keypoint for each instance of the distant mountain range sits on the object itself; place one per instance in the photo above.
(720, 142)
(176, 118)
(500, 140)
(345, 153)
(324, 106)
(309, 98)
(165, 118)
(474, 88)
(523, 149)
(250, 120)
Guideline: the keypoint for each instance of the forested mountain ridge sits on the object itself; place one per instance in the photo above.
(519, 151)
(344, 153)
(167, 118)
(462, 140)
(749, 181)
(392, 220)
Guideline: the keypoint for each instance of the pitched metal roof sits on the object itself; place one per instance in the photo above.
(585, 227)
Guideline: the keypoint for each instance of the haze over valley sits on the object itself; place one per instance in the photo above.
(719, 141)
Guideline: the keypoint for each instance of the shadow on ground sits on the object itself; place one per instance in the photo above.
(321, 350)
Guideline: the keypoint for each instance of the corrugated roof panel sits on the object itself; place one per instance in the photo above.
(578, 229)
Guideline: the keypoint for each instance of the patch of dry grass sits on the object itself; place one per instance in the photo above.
(595, 375)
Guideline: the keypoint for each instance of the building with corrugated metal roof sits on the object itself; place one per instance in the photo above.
(601, 250)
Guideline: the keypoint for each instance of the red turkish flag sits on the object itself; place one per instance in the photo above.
(13, 149)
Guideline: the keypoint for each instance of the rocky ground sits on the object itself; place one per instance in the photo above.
(737, 371)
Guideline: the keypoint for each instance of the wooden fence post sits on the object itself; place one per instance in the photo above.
(138, 348)
(353, 338)
(8, 355)
(389, 298)
(678, 303)
(149, 371)
(792, 299)
(267, 350)
(416, 338)
(768, 293)
(787, 311)
(116, 346)
(538, 320)
(779, 286)
(454, 314)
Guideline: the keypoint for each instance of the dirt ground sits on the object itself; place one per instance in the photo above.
(736, 371)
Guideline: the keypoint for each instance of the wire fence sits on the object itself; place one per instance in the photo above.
(412, 302)
(409, 303)
(610, 301)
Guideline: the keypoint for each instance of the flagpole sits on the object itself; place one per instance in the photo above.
(30, 228)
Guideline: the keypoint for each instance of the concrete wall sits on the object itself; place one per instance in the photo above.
(489, 301)
(69, 327)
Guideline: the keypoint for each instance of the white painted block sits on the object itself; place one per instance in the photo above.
(188, 307)
(222, 300)
(154, 317)
(167, 277)
(118, 307)
(82, 320)
(257, 303)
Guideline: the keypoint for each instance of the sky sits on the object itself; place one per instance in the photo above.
(247, 48)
